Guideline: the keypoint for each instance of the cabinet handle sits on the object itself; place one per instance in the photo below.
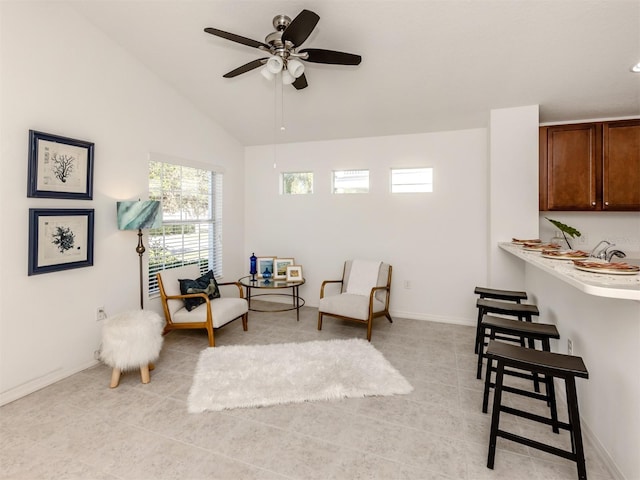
(593, 204)
(606, 203)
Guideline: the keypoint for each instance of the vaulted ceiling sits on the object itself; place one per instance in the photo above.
(427, 65)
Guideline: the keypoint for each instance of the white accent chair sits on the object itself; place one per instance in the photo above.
(210, 315)
(361, 307)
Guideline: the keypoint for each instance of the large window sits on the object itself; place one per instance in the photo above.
(410, 180)
(191, 229)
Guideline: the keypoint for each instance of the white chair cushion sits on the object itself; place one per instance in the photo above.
(223, 310)
(349, 305)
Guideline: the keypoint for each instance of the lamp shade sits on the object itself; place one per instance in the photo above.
(295, 67)
(274, 64)
(139, 215)
(287, 78)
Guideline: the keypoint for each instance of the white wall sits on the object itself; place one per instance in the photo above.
(436, 241)
(513, 189)
(62, 76)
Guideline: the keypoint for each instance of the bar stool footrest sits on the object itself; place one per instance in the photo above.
(534, 417)
(537, 445)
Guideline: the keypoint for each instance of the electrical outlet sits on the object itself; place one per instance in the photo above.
(100, 314)
(569, 346)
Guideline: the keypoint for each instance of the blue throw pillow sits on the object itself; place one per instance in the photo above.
(205, 284)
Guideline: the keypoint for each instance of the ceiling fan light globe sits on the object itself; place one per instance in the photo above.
(274, 64)
(287, 78)
(266, 73)
(295, 67)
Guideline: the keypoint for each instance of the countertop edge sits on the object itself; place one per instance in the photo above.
(558, 270)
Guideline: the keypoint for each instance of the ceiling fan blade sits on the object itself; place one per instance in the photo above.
(300, 82)
(318, 55)
(245, 68)
(300, 27)
(236, 38)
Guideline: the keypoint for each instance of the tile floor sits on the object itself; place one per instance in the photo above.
(78, 428)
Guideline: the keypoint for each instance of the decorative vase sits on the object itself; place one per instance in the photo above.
(253, 266)
(266, 275)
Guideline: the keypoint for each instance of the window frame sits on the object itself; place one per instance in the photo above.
(283, 190)
(346, 171)
(208, 248)
(428, 186)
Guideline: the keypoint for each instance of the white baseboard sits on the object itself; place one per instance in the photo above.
(433, 318)
(39, 383)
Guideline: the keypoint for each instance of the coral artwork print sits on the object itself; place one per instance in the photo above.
(62, 166)
(63, 239)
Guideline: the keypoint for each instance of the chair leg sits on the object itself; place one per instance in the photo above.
(369, 328)
(144, 373)
(212, 341)
(319, 320)
(245, 318)
(388, 315)
(115, 378)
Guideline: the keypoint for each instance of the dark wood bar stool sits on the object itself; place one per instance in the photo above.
(495, 294)
(554, 365)
(543, 332)
(522, 311)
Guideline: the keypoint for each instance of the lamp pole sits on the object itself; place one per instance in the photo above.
(140, 249)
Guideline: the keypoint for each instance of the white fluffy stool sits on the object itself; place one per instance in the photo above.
(131, 340)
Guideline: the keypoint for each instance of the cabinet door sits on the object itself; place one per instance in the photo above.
(621, 166)
(572, 160)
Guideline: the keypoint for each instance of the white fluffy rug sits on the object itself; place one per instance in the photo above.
(261, 375)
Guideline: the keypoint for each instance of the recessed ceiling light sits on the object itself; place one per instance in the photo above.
(636, 68)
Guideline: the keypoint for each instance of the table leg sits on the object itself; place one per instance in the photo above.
(296, 300)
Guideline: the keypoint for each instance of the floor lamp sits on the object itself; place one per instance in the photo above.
(136, 216)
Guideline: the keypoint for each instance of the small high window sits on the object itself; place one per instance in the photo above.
(351, 181)
(297, 183)
(410, 180)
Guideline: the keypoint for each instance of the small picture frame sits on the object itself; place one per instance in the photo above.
(59, 167)
(265, 264)
(280, 267)
(60, 239)
(294, 273)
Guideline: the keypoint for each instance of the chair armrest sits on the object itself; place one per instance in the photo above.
(188, 295)
(237, 284)
(325, 283)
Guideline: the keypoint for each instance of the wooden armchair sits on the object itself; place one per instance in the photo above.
(360, 299)
(211, 314)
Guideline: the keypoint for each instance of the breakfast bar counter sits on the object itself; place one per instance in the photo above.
(625, 287)
(599, 315)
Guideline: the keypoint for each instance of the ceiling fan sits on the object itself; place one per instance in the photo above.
(283, 45)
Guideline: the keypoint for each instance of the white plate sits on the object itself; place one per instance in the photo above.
(607, 271)
(539, 248)
(563, 257)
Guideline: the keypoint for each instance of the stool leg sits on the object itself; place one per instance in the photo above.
(115, 378)
(483, 333)
(144, 373)
(576, 429)
(478, 338)
(495, 415)
(487, 385)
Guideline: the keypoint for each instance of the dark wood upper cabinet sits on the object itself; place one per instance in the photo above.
(590, 166)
